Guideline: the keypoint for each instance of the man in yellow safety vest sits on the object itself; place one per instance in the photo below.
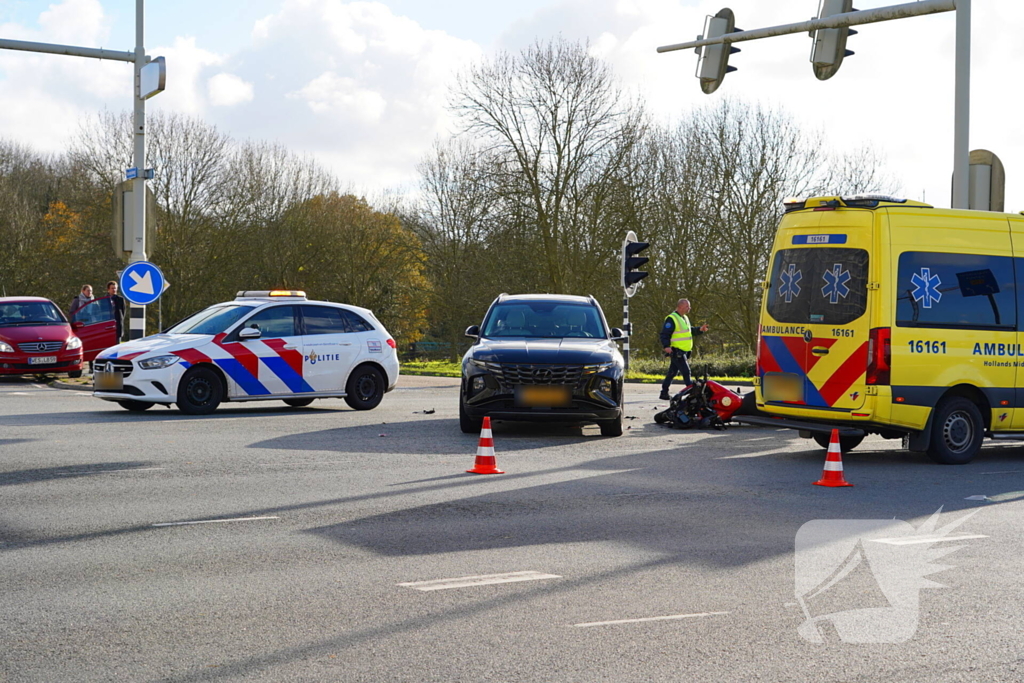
(677, 339)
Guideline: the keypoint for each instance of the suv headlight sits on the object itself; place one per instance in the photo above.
(158, 362)
(6, 348)
(600, 367)
(74, 343)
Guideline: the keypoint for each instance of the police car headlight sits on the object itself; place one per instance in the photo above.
(6, 348)
(158, 362)
(74, 343)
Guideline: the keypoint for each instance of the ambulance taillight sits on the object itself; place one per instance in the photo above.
(879, 356)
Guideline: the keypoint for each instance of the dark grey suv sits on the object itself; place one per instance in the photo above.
(543, 357)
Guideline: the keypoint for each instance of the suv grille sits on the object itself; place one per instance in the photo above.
(40, 347)
(511, 374)
(113, 365)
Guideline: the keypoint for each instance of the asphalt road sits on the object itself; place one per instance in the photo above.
(335, 508)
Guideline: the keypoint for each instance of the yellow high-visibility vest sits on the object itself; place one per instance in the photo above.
(682, 336)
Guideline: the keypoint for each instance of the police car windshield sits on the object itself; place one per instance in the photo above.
(546, 319)
(213, 320)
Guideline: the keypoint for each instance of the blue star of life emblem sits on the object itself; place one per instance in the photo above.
(790, 279)
(835, 283)
(926, 287)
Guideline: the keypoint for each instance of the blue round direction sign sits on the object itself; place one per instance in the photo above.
(142, 283)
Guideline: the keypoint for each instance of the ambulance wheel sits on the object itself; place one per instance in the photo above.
(200, 391)
(611, 427)
(135, 406)
(298, 402)
(957, 431)
(846, 443)
(365, 388)
(467, 423)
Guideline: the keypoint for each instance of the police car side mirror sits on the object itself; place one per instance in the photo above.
(473, 331)
(250, 333)
(618, 335)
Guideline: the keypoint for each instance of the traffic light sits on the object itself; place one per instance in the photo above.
(830, 43)
(714, 59)
(631, 277)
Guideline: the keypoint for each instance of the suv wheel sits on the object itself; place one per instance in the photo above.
(467, 423)
(200, 391)
(611, 427)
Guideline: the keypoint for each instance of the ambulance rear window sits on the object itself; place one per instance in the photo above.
(826, 285)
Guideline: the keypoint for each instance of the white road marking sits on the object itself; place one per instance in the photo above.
(214, 521)
(754, 455)
(482, 580)
(18, 393)
(670, 617)
(1004, 472)
(976, 498)
(913, 540)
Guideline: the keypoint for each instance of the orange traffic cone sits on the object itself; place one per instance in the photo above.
(833, 472)
(485, 463)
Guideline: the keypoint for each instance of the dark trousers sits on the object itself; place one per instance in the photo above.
(679, 365)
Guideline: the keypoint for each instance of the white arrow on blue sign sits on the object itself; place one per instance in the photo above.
(131, 173)
(142, 283)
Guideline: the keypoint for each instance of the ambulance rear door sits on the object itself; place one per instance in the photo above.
(814, 353)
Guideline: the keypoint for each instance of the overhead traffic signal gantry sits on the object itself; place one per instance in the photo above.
(829, 46)
(714, 59)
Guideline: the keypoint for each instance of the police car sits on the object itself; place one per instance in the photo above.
(264, 345)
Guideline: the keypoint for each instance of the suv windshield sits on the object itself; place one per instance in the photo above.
(30, 313)
(213, 320)
(547, 319)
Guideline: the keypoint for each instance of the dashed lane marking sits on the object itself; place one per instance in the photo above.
(213, 521)
(482, 580)
(913, 540)
(670, 617)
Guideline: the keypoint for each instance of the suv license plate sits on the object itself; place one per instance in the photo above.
(543, 396)
(107, 381)
(783, 386)
(42, 360)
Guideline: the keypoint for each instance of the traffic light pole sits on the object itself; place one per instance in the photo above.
(962, 107)
(627, 330)
(137, 57)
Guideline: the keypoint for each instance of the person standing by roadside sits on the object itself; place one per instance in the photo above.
(84, 297)
(677, 339)
(117, 305)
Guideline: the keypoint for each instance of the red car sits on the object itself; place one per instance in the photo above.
(36, 337)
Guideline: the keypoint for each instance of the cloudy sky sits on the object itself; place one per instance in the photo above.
(362, 85)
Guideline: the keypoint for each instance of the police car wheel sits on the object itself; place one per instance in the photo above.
(200, 392)
(957, 431)
(135, 406)
(365, 388)
(846, 443)
(298, 402)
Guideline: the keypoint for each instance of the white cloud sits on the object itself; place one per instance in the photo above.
(332, 94)
(227, 90)
(187, 65)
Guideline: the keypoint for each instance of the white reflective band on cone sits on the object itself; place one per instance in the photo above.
(485, 450)
(833, 466)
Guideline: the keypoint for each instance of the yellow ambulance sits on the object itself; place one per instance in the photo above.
(888, 316)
